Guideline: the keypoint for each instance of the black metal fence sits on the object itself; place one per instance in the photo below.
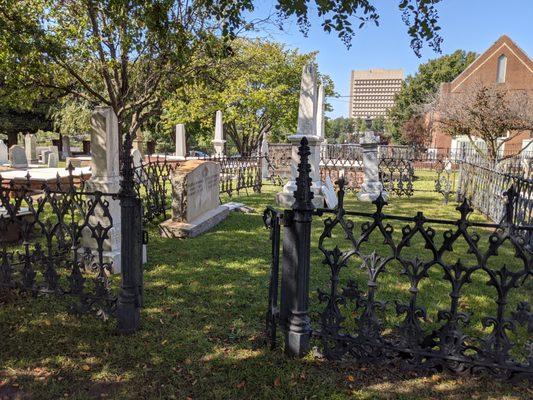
(53, 240)
(484, 187)
(379, 283)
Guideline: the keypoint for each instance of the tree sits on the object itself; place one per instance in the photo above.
(361, 125)
(493, 113)
(339, 128)
(415, 131)
(378, 124)
(127, 53)
(419, 88)
(257, 90)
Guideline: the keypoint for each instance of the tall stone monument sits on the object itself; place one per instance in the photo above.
(181, 141)
(264, 158)
(372, 186)
(105, 177)
(30, 145)
(307, 111)
(195, 200)
(65, 147)
(3, 153)
(219, 141)
(320, 120)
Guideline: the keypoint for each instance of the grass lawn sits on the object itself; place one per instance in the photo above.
(202, 324)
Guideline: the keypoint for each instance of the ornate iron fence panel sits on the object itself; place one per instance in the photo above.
(484, 187)
(53, 241)
(279, 162)
(377, 301)
(239, 173)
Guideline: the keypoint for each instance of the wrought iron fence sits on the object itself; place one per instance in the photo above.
(484, 187)
(368, 261)
(53, 241)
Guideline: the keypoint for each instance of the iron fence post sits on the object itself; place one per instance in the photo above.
(129, 299)
(294, 311)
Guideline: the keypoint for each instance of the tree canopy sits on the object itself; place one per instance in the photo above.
(124, 53)
(419, 88)
(257, 90)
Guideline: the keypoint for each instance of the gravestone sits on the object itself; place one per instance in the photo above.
(181, 141)
(105, 178)
(3, 153)
(30, 145)
(372, 186)
(65, 147)
(44, 156)
(54, 150)
(137, 143)
(265, 173)
(17, 156)
(307, 113)
(195, 200)
(330, 196)
(52, 161)
(219, 141)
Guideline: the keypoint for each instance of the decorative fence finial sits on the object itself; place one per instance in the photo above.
(303, 193)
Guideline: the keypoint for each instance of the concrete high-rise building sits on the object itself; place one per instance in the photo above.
(372, 92)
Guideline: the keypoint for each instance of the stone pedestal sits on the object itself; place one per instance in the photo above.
(181, 141)
(105, 177)
(219, 142)
(285, 198)
(195, 200)
(371, 187)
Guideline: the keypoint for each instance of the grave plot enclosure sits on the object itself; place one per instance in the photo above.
(419, 292)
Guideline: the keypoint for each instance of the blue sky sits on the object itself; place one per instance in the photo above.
(466, 24)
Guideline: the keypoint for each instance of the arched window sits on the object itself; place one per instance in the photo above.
(502, 67)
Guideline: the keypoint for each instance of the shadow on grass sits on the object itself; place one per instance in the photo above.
(201, 335)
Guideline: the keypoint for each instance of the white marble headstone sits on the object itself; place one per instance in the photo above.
(52, 160)
(330, 196)
(30, 143)
(3, 153)
(17, 155)
(181, 141)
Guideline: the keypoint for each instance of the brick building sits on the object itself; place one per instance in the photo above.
(372, 92)
(504, 63)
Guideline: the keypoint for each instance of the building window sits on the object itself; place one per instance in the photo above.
(502, 67)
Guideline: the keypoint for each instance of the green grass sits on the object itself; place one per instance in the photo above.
(201, 335)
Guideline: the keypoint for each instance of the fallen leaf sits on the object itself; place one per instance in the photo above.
(85, 367)
(241, 385)
(277, 381)
(350, 378)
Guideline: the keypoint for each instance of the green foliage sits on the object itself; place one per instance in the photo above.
(418, 88)
(360, 123)
(338, 129)
(130, 54)
(378, 124)
(257, 90)
(73, 117)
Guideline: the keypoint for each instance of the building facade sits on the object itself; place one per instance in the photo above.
(372, 92)
(502, 63)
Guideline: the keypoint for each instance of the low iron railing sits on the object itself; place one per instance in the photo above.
(380, 286)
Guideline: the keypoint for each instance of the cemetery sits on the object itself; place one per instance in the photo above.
(193, 251)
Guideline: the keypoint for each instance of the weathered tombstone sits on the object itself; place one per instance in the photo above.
(30, 144)
(307, 110)
(264, 158)
(3, 153)
(65, 147)
(219, 141)
(137, 143)
(181, 141)
(195, 200)
(52, 160)
(17, 156)
(137, 160)
(330, 196)
(372, 186)
(54, 150)
(44, 156)
(106, 179)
